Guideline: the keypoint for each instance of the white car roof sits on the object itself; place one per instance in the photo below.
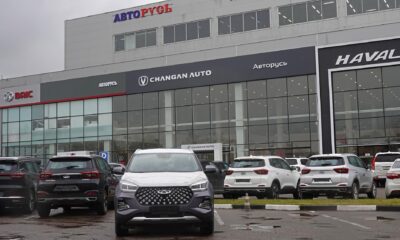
(163, 150)
(261, 157)
(334, 155)
(383, 153)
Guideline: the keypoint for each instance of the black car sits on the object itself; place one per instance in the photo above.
(76, 179)
(18, 182)
(216, 178)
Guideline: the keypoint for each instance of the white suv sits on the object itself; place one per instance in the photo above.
(261, 176)
(299, 163)
(381, 163)
(336, 174)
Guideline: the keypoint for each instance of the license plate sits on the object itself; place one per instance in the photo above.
(66, 188)
(322, 179)
(164, 210)
(243, 180)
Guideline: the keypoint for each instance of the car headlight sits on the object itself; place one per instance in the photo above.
(200, 186)
(128, 187)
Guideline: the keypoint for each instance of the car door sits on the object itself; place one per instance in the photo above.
(110, 179)
(366, 174)
(288, 175)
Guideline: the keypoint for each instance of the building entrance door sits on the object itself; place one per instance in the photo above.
(210, 152)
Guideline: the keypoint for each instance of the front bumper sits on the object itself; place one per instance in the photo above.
(135, 214)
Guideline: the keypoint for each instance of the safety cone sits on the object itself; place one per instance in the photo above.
(247, 202)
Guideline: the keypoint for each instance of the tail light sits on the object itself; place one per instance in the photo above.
(393, 176)
(261, 171)
(229, 172)
(45, 175)
(373, 163)
(42, 194)
(14, 175)
(305, 171)
(91, 175)
(341, 170)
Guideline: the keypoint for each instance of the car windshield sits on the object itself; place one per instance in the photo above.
(163, 162)
(387, 157)
(248, 163)
(325, 161)
(69, 164)
(8, 166)
(291, 161)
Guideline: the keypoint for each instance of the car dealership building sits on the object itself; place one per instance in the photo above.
(226, 78)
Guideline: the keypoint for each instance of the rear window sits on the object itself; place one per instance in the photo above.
(387, 157)
(248, 163)
(291, 161)
(70, 164)
(325, 161)
(8, 166)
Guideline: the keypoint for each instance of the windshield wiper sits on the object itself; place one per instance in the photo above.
(73, 166)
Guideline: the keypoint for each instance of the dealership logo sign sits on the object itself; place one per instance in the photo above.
(11, 96)
(269, 65)
(143, 12)
(108, 84)
(367, 57)
(145, 80)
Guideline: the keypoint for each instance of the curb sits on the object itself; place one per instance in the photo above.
(348, 208)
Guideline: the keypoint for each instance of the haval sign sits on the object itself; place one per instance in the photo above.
(11, 96)
(368, 57)
(143, 12)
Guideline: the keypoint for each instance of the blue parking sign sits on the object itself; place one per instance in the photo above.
(104, 155)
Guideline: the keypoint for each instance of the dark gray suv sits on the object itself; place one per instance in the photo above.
(164, 186)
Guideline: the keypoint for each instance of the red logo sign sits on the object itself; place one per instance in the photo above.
(24, 94)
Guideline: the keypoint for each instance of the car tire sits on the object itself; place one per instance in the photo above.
(297, 194)
(373, 192)
(102, 204)
(43, 211)
(273, 193)
(121, 230)
(207, 228)
(354, 193)
(259, 196)
(307, 196)
(30, 203)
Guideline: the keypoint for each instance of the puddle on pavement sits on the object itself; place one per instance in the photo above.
(302, 215)
(253, 227)
(261, 218)
(379, 218)
(11, 237)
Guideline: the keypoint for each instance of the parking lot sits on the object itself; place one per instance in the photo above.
(229, 224)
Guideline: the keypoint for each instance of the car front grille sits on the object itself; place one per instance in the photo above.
(163, 196)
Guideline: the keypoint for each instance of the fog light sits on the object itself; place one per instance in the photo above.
(122, 206)
(206, 204)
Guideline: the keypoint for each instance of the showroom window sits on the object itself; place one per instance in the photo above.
(366, 6)
(187, 31)
(307, 11)
(242, 22)
(140, 39)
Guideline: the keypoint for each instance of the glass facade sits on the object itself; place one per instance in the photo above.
(275, 116)
(367, 109)
(366, 6)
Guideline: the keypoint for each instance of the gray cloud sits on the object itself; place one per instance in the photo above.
(32, 31)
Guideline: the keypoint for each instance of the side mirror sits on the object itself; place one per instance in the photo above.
(210, 169)
(118, 170)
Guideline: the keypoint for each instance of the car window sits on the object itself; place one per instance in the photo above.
(325, 161)
(163, 162)
(69, 164)
(304, 161)
(102, 164)
(353, 161)
(291, 161)
(8, 166)
(387, 157)
(284, 164)
(30, 167)
(396, 165)
(361, 163)
(275, 163)
(248, 163)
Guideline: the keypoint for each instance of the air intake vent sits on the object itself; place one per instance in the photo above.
(163, 196)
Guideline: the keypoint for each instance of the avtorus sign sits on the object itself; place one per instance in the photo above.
(143, 12)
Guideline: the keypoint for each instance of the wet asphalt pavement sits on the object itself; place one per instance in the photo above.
(229, 224)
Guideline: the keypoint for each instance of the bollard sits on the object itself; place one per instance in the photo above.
(247, 202)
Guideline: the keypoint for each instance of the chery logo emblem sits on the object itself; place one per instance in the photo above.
(143, 81)
(164, 192)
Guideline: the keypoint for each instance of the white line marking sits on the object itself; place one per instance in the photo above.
(29, 217)
(218, 218)
(345, 221)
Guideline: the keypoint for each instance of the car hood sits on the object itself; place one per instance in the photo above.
(164, 179)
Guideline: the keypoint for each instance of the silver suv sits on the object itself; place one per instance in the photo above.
(336, 174)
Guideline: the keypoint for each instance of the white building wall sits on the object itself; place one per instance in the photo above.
(89, 43)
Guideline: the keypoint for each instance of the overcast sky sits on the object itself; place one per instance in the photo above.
(32, 31)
